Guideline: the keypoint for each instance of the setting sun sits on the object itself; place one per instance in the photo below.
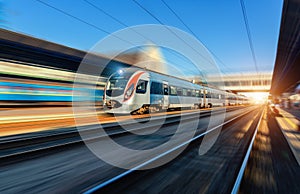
(257, 97)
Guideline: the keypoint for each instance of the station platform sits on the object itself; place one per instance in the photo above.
(289, 122)
(28, 120)
(294, 112)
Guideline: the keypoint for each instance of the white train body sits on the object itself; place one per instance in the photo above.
(136, 90)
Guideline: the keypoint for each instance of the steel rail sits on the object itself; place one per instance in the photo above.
(244, 164)
(127, 172)
(64, 138)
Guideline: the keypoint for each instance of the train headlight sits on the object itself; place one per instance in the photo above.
(129, 92)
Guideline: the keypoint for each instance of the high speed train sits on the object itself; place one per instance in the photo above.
(133, 90)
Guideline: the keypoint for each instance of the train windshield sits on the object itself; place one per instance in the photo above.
(117, 83)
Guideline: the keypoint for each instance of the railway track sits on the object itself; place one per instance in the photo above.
(17, 145)
(114, 182)
(246, 158)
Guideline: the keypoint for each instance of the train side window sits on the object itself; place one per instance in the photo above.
(208, 95)
(193, 93)
(141, 87)
(166, 89)
(184, 92)
(202, 94)
(160, 89)
(213, 95)
(189, 93)
(173, 91)
(197, 93)
(179, 91)
(156, 88)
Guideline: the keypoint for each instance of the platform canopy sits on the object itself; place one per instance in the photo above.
(286, 75)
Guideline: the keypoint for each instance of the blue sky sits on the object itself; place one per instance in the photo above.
(218, 24)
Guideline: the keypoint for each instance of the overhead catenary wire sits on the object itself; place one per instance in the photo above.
(249, 34)
(106, 13)
(72, 16)
(83, 21)
(89, 24)
(101, 29)
(192, 32)
(159, 21)
(124, 24)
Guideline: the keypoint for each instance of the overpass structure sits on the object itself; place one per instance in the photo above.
(240, 82)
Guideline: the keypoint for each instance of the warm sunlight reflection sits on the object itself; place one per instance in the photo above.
(257, 97)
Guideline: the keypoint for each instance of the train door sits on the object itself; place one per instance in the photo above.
(165, 95)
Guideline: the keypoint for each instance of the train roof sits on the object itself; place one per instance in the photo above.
(175, 79)
(132, 69)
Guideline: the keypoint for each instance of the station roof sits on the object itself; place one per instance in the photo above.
(286, 75)
(25, 48)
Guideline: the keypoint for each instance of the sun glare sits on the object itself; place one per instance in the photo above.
(257, 97)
